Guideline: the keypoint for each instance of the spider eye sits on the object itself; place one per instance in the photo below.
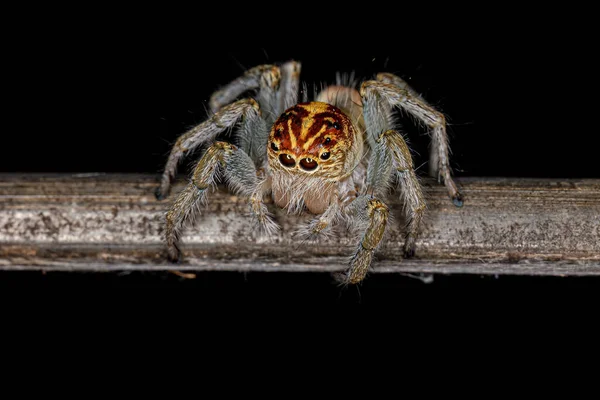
(327, 140)
(274, 146)
(325, 156)
(308, 164)
(334, 125)
(287, 161)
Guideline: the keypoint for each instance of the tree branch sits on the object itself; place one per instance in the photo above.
(111, 222)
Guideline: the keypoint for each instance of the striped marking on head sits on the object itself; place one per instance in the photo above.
(307, 129)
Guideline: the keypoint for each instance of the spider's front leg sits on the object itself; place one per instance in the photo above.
(395, 92)
(205, 132)
(366, 209)
(240, 173)
(322, 225)
(391, 162)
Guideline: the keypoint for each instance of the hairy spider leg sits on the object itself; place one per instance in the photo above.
(397, 93)
(277, 89)
(374, 213)
(289, 86)
(205, 132)
(392, 144)
(251, 79)
(239, 172)
(390, 163)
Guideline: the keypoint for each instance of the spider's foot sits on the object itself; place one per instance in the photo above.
(341, 278)
(455, 195)
(457, 199)
(409, 252)
(160, 193)
(359, 266)
(174, 255)
(410, 246)
(312, 232)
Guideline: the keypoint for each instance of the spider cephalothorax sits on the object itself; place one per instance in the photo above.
(337, 156)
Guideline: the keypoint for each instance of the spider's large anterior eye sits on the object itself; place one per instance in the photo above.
(274, 147)
(325, 156)
(287, 161)
(308, 164)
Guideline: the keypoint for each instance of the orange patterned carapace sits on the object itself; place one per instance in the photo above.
(309, 137)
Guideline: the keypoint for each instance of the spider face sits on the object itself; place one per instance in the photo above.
(311, 138)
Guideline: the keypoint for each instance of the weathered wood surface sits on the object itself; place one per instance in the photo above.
(109, 222)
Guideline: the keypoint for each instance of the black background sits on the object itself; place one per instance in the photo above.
(115, 103)
(513, 110)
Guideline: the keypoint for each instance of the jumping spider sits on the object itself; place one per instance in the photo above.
(336, 156)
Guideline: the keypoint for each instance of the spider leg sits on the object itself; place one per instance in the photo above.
(391, 161)
(395, 92)
(239, 171)
(321, 226)
(254, 134)
(288, 88)
(268, 74)
(395, 80)
(434, 163)
(202, 133)
(375, 213)
(392, 143)
(192, 196)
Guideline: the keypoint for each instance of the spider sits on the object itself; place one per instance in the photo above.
(337, 156)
